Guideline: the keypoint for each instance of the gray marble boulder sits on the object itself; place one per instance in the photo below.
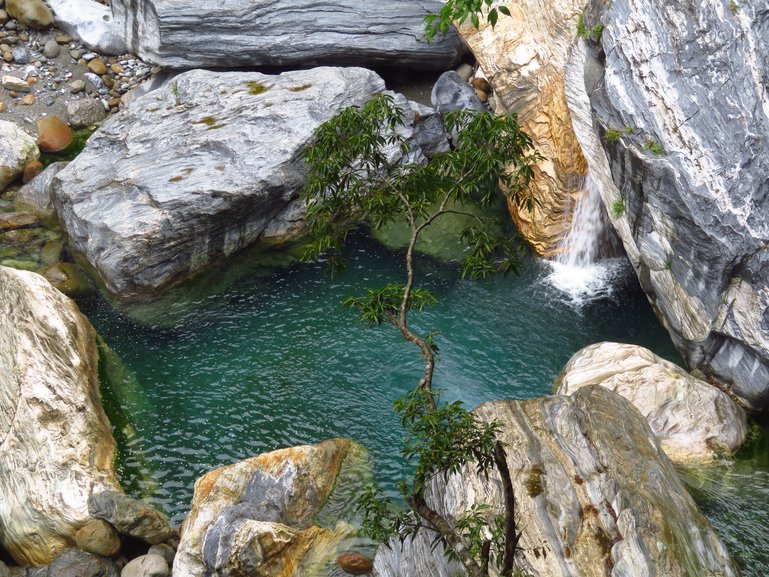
(204, 166)
(451, 92)
(131, 517)
(596, 495)
(671, 108)
(17, 148)
(92, 23)
(181, 34)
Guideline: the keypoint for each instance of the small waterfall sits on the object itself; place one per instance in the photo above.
(582, 270)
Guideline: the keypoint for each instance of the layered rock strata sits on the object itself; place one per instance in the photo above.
(285, 33)
(694, 421)
(204, 166)
(56, 447)
(523, 57)
(671, 108)
(596, 495)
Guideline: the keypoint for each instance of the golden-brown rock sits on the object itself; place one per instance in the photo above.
(53, 134)
(523, 57)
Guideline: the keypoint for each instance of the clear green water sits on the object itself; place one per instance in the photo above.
(274, 361)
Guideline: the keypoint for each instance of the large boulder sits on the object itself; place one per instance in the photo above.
(200, 168)
(285, 33)
(17, 148)
(694, 421)
(596, 495)
(57, 446)
(672, 111)
(523, 57)
(32, 13)
(256, 517)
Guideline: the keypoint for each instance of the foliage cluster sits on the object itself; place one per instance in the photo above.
(460, 11)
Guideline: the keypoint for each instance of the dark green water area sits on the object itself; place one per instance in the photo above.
(274, 361)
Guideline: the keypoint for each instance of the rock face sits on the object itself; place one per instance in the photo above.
(676, 132)
(57, 446)
(694, 421)
(204, 166)
(595, 491)
(92, 23)
(254, 517)
(523, 57)
(17, 149)
(285, 33)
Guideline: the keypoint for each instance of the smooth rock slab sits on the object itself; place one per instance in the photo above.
(594, 490)
(182, 34)
(688, 81)
(694, 421)
(57, 444)
(198, 169)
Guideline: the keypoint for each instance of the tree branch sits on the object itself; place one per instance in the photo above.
(511, 535)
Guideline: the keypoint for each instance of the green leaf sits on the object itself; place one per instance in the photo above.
(504, 10)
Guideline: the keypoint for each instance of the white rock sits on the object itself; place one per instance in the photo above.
(57, 444)
(92, 23)
(14, 83)
(693, 420)
(17, 148)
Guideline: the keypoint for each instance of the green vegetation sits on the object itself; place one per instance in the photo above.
(460, 11)
(255, 87)
(612, 135)
(300, 88)
(209, 121)
(618, 208)
(352, 179)
(654, 147)
(734, 7)
(583, 31)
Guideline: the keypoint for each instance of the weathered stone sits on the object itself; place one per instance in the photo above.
(451, 92)
(51, 49)
(694, 421)
(146, 566)
(53, 134)
(355, 563)
(97, 66)
(165, 551)
(33, 13)
(13, 220)
(74, 563)
(336, 32)
(92, 23)
(57, 446)
(36, 194)
(77, 85)
(17, 149)
(31, 170)
(146, 216)
(130, 516)
(258, 512)
(14, 84)
(98, 537)
(523, 57)
(69, 279)
(595, 491)
(689, 164)
(85, 112)
(28, 99)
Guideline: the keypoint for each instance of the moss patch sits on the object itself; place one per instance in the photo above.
(209, 121)
(534, 482)
(255, 87)
(300, 88)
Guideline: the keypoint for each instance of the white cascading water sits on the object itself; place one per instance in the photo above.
(578, 271)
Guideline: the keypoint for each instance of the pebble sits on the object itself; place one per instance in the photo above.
(20, 55)
(11, 25)
(62, 39)
(8, 56)
(51, 49)
(97, 66)
(88, 56)
(75, 54)
(3, 17)
(28, 100)
(14, 84)
(3, 107)
(77, 86)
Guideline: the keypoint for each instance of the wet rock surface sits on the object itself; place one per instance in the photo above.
(684, 161)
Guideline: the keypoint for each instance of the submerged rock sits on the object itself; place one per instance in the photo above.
(523, 57)
(255, 517)
(694, 421)
(36, 194)
(131, 517)
(672, 111)
(596, 495)
(57, 446)
(285, 33)
(199, 169)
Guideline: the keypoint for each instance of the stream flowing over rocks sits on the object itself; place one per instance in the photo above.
(57, 446)
(203, 166)
(671, 109)
(596, 495)
(285, 33)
